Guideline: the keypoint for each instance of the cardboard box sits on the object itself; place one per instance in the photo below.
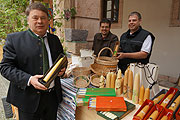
(93, 92)
(101, 103)
(81, 101)
(112, 115)
(82, 61)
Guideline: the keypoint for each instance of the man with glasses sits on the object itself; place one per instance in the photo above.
(104, 39)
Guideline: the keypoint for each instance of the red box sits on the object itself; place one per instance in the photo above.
(170, 91)
(172, 101)
(178, 114)
(155, 107)
(163, 91)
(101, 103)
(167, 112)
(146, 102)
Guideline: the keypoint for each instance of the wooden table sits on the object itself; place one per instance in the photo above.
(82, 112)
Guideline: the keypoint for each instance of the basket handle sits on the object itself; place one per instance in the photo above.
(104, 49)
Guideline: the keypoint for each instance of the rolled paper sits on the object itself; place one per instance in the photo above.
(141, 95)
(175, 104)
(130, 85)
(136, 88)
(166, 100)
(119, 74)
(154, 115)
(108, 80)
(51, 72)
(113, 78)
(118, 86)
(142, 113)
(156, 100)
(164, 117)
(101, 82)
(146, 94)
(125, 83)
(122, 83)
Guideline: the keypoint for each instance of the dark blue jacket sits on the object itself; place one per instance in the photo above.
(21, 59)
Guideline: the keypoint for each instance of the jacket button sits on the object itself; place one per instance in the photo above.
(40, 55)
(38, 92)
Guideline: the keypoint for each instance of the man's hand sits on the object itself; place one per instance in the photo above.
(34, 82)
(62, 72)
(120, 55)
(134, 55)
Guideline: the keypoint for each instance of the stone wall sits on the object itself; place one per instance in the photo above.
(87, 18)
(168, 81)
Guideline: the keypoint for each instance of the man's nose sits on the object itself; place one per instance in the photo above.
(39, 20)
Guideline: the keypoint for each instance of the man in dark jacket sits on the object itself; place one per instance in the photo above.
(104, 39)
(22, 65)
(135, 44)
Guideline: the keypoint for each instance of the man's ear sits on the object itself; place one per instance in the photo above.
(140, 20)
(27, 20)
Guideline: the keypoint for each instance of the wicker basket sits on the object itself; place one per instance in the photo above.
(81, 71)
(95, 79)
(104, 64)
(81, 81)
(104, 60)
(102, 69)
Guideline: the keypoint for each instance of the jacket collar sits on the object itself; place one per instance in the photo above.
(134, 34)
(106, 38)
(36, 35)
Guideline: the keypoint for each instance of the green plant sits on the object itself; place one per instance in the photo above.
(59, 15)
(12, 16)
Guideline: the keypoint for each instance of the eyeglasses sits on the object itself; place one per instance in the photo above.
(105, 27)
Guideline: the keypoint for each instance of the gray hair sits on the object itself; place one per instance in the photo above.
(36, 6)
(135, 13)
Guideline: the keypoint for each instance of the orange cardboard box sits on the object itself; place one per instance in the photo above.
(109, 103)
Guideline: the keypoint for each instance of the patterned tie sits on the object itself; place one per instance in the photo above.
(45, 56)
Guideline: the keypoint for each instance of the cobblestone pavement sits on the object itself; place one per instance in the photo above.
(4, 84)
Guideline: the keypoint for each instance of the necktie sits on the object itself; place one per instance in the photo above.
(45, 56)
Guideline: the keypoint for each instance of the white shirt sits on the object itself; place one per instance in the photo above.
(49, 58)
(146, 47)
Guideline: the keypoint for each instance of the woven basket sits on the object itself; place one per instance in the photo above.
(81, 81)
(104, 60)
(104, 64)
(81, 71)
(95, 79)
(102, 69)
